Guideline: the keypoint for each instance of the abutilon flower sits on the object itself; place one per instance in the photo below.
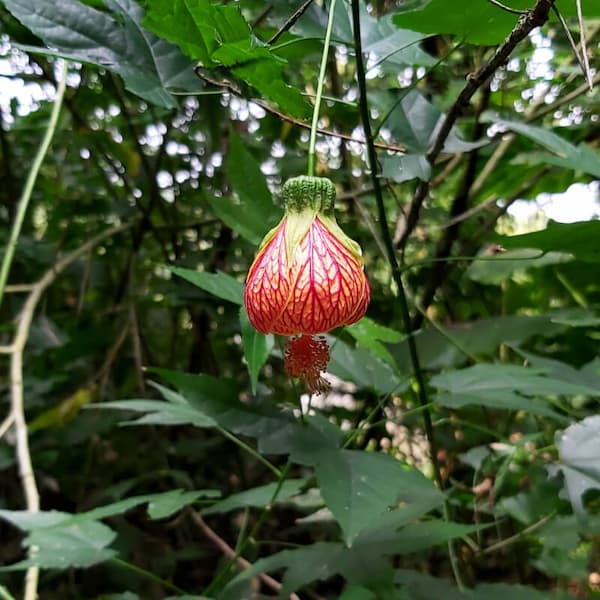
(306, 279)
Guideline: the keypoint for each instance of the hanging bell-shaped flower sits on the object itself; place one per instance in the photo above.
(307, 278)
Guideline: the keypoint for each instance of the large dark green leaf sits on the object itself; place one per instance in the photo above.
(360, 564)
(276, 430)
(359, 487)
(253, 213)
(151, 67)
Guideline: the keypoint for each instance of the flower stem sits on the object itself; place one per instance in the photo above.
(31, 179)
(312, 153)
(397, 275)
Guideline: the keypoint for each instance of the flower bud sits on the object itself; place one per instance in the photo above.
(308, 276)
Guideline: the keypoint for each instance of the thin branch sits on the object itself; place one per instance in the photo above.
(537, 16)
(584, 55)
(31, 179)
(514, 11)
(397, 275)
(18, 288)
(30, 490)
(137, 348)
(230, 553)
(312, 143)
(290, 22)
(518, 536)
(230, 87)
(581, 58)
(7, 423)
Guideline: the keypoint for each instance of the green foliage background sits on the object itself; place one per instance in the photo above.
(181, 120)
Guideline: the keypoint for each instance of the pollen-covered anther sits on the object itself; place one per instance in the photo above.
(306, 357)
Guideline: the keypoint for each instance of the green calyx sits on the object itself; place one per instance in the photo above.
(316, 194)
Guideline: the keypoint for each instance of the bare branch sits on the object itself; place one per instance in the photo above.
(582, 42)
(514, 11)
(230, 87)
(230, 553)
(30, 490)
(535, 17)
(7, 423)
(290, 22)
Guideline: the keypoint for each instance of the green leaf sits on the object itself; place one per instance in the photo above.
(199, 27)
(588, 375)
(257, 497)
(220, 285)
(253, 214)
(276, 431)
(257, 348)
(361, 564)
(394, 47)
(360, 366)
(462, 19)
(164, 503)
(415, 123)
(356, 592)
(502, 591)
(360, 486)
(150, 67)
(404, 167)
(370, 334)
(61, 545)
(582, 239)
(304, 565)
(64, 540)
(160, 413)
(414, 537)
(513, 263)
(499, 400)
(266, 76)
(482, 336)
(491, 378)
(247, 179)
(162, 506)
(579, 158)
(418, 586)
(579, 452)
(218, 36)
